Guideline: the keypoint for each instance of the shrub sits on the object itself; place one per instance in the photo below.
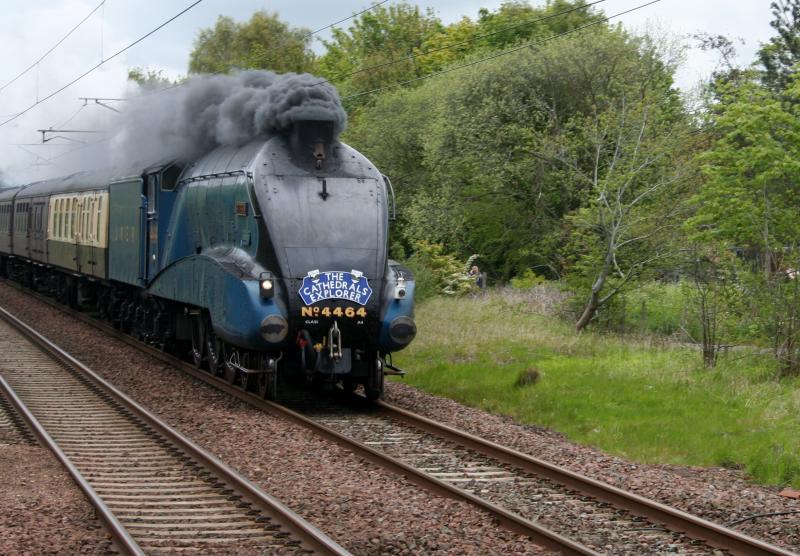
(438, 272)
(528, 377)
(527, 280)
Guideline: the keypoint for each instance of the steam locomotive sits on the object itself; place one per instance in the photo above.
(245, 260)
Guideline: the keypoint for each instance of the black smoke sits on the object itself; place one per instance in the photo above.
(189, 120)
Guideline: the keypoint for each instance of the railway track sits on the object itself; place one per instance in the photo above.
(553, 506)
(154, 490)
(12, 426)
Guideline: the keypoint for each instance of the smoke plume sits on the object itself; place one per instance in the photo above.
(187, 121)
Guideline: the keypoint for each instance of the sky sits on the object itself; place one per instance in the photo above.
(29, 28)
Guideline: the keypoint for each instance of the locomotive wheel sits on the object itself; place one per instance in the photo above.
(373, 387)
(267, 383)
(213, 349)
(198, 341)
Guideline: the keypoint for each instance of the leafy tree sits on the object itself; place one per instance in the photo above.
(263, 42)
(727, 69)
(750, 194)
(489, 159)
(151, 79)
(714, 293)
(397, 44)
(381, 39)
(782, 52)
(517, 21)
(636, 186)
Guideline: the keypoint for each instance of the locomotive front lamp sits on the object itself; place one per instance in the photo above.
(400, 288)
(266, 285)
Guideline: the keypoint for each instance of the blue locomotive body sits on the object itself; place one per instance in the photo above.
(272, 251)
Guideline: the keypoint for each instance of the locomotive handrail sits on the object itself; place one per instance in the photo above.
(213, 176)
(390, 196)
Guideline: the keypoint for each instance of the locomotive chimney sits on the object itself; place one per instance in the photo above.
(312, 142)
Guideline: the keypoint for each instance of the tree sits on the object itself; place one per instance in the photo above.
(714, 292)
(750, 194)
(782, 52)
(263, 42)
(749, 201)
(517, 21)
(636, 180)
(375, 49)
(478, 156)
(150, 79)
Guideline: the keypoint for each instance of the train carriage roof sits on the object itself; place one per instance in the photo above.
(80, 181)
(86, 181)
(7, 193)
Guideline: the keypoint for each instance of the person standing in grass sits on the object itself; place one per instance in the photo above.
(475, 273)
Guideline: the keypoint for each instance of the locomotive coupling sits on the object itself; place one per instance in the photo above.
(335, 342)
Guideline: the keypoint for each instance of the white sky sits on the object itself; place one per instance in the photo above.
(28, 28)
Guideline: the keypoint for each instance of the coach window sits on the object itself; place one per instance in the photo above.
(93, 221)
(84, 219)
(57, 223)
(56, 218)
(88, 227)
(65, 219)
(99, 218)
(68, 227)
(73, 221)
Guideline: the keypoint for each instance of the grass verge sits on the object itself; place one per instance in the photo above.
(639, 398)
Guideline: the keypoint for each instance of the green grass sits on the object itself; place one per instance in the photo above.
(639, 398)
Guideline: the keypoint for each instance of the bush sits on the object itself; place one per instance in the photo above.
(527, 280)
(439, 273)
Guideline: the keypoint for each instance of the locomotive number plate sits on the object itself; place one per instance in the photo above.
(349, 312)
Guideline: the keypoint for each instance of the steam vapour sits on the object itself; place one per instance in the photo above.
(208, 111)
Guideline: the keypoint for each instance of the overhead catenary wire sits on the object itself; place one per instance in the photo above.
(530, 44)
(372, 7)
(56, 45)
(102, 62)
